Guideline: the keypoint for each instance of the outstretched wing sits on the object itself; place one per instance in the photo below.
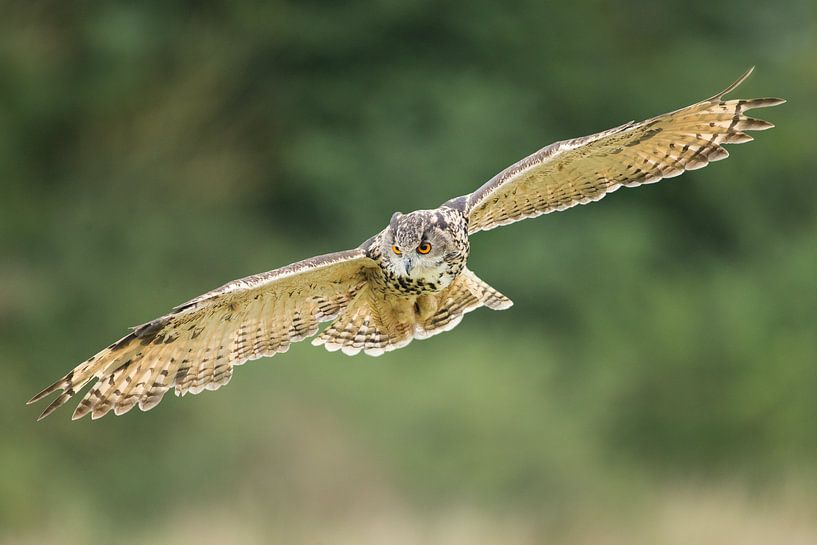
(196, 346)
(585, 169)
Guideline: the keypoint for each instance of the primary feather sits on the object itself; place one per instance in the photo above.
(583, 170)
(196, 346)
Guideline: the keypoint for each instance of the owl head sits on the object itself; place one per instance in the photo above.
(426, 245)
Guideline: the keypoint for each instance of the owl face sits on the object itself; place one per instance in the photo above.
(424, 246)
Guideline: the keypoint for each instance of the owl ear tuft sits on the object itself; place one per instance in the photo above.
(393, 221)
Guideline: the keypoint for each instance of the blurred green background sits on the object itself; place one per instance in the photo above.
(656, 381)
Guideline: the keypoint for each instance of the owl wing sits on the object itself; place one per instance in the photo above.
(584, 170)
(196, 346)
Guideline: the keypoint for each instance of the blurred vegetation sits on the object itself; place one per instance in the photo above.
(664, 338)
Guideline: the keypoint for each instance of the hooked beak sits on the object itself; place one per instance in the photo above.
(409, 265)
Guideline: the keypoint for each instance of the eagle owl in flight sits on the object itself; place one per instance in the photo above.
(409, 281)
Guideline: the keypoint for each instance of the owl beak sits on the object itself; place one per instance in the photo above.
(409, 265)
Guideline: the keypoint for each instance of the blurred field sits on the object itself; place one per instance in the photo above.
(654, 383)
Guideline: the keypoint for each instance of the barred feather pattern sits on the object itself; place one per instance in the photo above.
(584, 170)
(196, 347)
(368, 294)
(375, 323)
(466, 293)
(378, 322)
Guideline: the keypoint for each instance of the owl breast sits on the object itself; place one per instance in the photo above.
(421, 282)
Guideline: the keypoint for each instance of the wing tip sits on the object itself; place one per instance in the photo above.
(755, 103)
(56, 403)
(734, 85)
(768, 102)
(53, 406)
(48, 390)
(39, 396)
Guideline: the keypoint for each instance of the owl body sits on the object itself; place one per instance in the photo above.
(409, 281)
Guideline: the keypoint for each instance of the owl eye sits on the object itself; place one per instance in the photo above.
(424, 248)
(396, 250)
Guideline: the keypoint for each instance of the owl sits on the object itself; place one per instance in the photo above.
(409, 281)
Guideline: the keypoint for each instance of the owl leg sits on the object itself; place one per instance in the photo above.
(425, 306)
(465, 294)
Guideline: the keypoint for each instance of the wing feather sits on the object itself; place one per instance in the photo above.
(196, 346)
(585, 169)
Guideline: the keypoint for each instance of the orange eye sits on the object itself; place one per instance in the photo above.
(396, 250)
(424, 248)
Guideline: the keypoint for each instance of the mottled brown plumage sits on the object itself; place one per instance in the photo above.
(584, 170)
(408, 281)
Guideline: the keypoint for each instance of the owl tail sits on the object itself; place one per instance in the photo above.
(375, 323)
